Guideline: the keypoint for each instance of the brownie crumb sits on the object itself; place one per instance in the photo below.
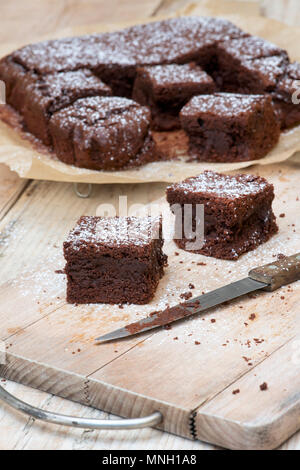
(60, 271)
(282, 215)
(235, 392)
(197, 342)
(176, 338)
(191, 286)
(213, 320)
(252, 316)
(201, 263)
(263, 386)
(186, 295)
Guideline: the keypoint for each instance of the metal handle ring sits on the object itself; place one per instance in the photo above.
(72, 421)
(81, 194)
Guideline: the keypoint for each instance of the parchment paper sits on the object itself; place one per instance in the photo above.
(30, 162)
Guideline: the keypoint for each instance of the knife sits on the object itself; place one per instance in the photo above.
(269, 277)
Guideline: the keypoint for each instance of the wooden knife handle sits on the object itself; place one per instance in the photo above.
(279, 273)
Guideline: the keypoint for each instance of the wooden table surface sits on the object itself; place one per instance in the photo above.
(17, 226)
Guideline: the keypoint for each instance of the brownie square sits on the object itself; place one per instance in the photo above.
(249, 65)
(167, 88)
(238, 212)
(38, 97)
(226, 127)
(103, 133)
(286, 96)
(114, 260)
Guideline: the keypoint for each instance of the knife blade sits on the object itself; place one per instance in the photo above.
(268, 277)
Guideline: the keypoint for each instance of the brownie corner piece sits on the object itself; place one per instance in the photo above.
(238, 213)
(167, 88)
(114, 260)
(226, 127)
(103, 133)
(39, 97)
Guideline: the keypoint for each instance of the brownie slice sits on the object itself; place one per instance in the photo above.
(249, 65)
(38, 97)
(103, 133)
(286, 96)
(226, 127)
(238, 212)
(114, 260)
(167, 88)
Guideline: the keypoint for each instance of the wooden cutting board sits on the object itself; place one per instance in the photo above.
(50, 344)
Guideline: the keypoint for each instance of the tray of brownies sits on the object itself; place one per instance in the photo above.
(149, 103)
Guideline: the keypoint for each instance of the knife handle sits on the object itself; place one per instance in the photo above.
(282, 272)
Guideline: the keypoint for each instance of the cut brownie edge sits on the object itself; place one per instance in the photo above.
(226, 127)
(238, 213)
(114, 260)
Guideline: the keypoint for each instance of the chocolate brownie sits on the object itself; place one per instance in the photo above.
(286, 96)
(103, 133)
(226, 127)
(167, 88)
(114, 260)
(38, 97)
(238, 212)
(249, 65)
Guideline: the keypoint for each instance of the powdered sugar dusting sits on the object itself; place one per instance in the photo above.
(163, 75)
(220, 185)
(113, 232)
(223, 104)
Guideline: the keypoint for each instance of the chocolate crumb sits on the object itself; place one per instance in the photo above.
(197, 342)
(213, 320)
(263, 386)
(186, 295)
(282, 215)
(235, 392)
(191, 286)
(252, 316)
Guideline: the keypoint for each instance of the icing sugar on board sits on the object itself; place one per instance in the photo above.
(190, 372)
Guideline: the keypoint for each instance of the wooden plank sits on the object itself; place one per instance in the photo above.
(252, 418)
(94, 393)
(142, 374)
(10, 189)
